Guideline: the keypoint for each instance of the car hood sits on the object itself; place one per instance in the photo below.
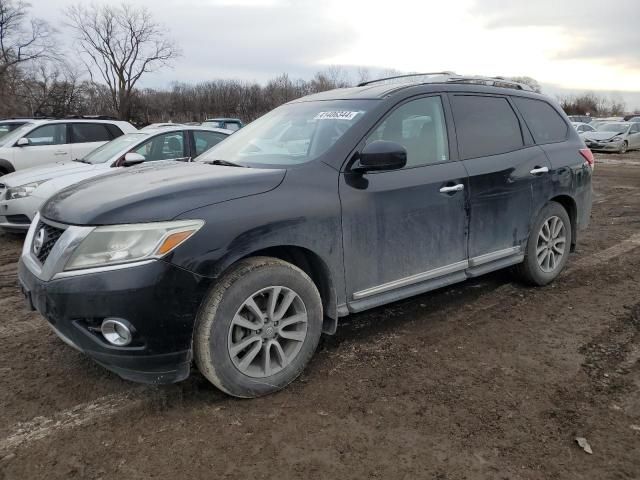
(30, 175)
(601, 135)
(156, 192)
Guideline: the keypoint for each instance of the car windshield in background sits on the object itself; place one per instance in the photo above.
(291, 134)
(11, 137)
(108, 150)
(613, 127)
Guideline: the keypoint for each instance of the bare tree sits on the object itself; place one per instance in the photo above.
(121, 43)
(22, 39)
(531, 82)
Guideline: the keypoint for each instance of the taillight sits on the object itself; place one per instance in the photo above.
(588, 156)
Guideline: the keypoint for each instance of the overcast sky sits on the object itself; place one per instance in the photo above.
(565, 44)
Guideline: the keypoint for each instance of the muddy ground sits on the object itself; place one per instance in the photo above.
(487, 379)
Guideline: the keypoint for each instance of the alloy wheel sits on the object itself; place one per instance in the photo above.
(267, 332)
(551, 244)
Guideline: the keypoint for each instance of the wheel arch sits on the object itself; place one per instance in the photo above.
(570, 205)
(6, 166)
(313, 265)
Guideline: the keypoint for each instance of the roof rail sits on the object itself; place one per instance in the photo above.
(451, 77)
(490, 81)
(90, 117)
(386, 79)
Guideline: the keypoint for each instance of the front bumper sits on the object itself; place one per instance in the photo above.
(16, 215)
(160, 300)
(604, 146)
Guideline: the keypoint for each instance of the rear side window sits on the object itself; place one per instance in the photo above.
(114, 130)
(90, 132)
(546, 125)
(485, 126)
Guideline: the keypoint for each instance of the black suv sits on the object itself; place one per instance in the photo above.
(331, 204)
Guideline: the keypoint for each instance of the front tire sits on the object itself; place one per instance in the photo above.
(258, 327)
(624, 148)
(548, 246)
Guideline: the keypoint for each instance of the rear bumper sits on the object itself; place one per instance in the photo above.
(158, 299)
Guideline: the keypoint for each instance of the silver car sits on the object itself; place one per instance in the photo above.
(614, 137)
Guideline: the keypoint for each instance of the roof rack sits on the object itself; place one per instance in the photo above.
(90, 117)
(451, 77)
(396, 77)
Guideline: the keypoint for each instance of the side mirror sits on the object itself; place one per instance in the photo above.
(381, 155)
(132, 158)
(23, 142)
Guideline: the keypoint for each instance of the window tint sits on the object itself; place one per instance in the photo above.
(90, 132)
(546, 125)
(163, 147)
(419, 126)
(485, 126)
(205, 140)
(53, 134)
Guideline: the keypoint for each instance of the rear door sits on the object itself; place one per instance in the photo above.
(86, 137)
(504, 168)
(405, 228)
(47, 144)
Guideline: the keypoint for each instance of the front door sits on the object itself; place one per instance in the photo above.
(405, 229)
(48, 144)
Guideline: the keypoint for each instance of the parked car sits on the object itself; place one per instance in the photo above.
(582, 127)
(634, 119)
(9, 125)
(153, 126)
(243, 258)
(614, 137)
(227, 123)
(46, 142)
(22, 193)
(580, 118)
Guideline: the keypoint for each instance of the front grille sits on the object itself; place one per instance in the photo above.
(49, 239)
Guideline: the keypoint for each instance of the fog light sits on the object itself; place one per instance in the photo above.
(116, 332)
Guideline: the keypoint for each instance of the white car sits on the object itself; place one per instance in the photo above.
(582, 127)
(47, 142)
(22, 193)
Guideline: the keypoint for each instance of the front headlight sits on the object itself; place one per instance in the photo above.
(616, 138)
(112, 245)
(23, 191)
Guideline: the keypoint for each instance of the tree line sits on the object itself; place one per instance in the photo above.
(118, 44)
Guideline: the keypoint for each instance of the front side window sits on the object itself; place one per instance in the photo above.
(485, 126)
(53, 134)
(108, 151)
(167, 146)
(418, 126)
(292, 134)
(205, 140)
(544, 122)
(90, 132)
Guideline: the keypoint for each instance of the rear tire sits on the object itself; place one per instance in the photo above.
(548, 246)
(258, 327)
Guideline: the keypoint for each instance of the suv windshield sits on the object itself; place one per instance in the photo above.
(108, 150)
(18, 133)
(291, 134)
(613, 127)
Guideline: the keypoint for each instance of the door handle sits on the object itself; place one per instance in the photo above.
(452, 189)
(539, 170)
(60, 152)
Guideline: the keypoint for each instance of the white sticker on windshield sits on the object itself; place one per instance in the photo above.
(340, 115)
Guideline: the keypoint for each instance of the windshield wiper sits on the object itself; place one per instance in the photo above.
(225, 163)
(81, 160)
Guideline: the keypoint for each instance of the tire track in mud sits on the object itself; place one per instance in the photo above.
(23, 433)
